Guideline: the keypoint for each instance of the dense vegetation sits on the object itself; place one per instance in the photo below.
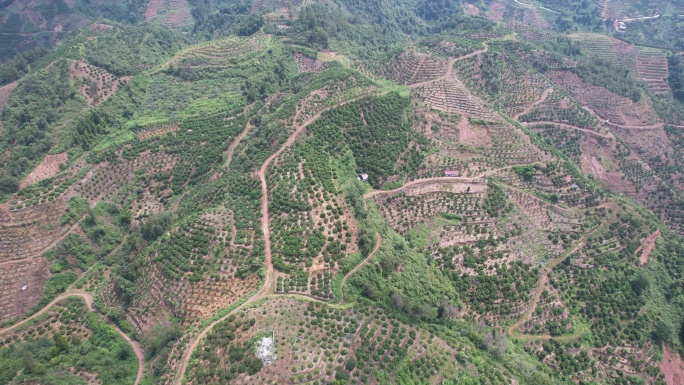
(28, 31)
(69, 342)
(131, 50)
(276, 131)
(617, 80)
(39, 101)
(676, 77)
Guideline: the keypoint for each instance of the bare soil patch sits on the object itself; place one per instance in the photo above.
(647, 246)
(179, 12)
(672, 367)
(21, 286)
(598, 159)
(306, 64)
(496, 12)
(5, 92)
(473, 135)
(153, 8)
(175, 12)
(48, 168)
(608, 105)
(157, 131)
(98, 84)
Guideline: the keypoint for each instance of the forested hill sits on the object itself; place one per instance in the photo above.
(341, 192)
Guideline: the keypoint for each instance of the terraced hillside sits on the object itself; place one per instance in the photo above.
(343, 192)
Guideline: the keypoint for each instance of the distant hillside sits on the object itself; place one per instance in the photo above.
(334, 192)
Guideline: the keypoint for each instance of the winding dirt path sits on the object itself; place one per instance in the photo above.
(450, 67)
(535, 6)
(653, 126)
(647, 246)
(640, 18)
(476, 179)
(266, 289)
(570, 126)
(541, 100)
(241, 135)
(88, 298)
(543, 279)
(378, 244)
(178, 201)
(420, 182)
(238, 139)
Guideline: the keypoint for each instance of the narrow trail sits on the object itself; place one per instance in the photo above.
(48, 247)
(266, 289)
(419, 182)
(611, 124)
(450, 67)
(541, 100)
(543, 279)
(88, 298)
(378, 244)
(238, 139)
(178, 201)
(604, 10)
(308, 298)
(653, 126)
(476, 179)
(640, 18)
(513, 329)
(570, 126)
(535, 6)
(647, 246)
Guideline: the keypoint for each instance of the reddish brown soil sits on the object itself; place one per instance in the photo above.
(28, 274)
(672, 367)
(178, 12)
(496, 11)
(103, 84)
(598, 159)
(4, 96)
(473, 135)
(604, 103)
(647, 246)
(48, 168)
(153, 8)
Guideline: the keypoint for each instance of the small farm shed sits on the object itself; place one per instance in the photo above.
(363, 177)
(451, 173)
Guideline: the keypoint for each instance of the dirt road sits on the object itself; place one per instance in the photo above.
(570, 126)
(543, 279)
(450, 67)
(266, 289)
(419, 182)
(378, 244)
(541, 100)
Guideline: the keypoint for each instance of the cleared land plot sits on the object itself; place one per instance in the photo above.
(48, 168)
